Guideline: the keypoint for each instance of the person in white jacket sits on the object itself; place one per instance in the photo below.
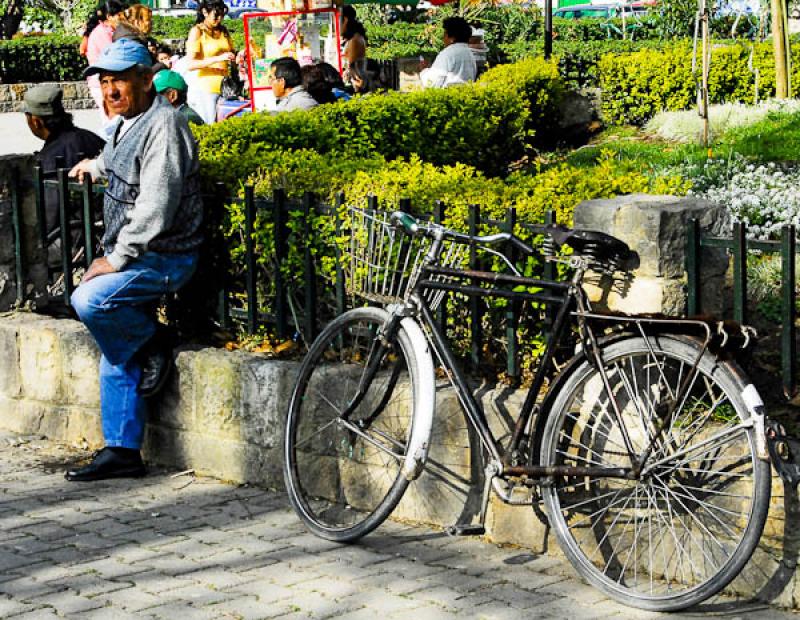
(455, 64)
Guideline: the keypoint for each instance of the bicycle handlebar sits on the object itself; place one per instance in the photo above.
(412, 227)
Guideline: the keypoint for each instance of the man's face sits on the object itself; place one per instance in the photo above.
(448, 40)
(278, 84)
(126, 93)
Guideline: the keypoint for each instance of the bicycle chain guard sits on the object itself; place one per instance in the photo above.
(784, 453)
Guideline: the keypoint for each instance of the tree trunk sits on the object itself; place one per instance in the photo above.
(778, 9)
(11, 19)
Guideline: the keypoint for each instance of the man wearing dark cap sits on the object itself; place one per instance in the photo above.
(64, 144)
(173, 87)
(152, 213)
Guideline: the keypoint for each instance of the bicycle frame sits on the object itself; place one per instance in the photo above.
(568, 299)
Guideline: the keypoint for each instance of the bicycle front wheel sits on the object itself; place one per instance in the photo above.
(682, 530)
(346, 433)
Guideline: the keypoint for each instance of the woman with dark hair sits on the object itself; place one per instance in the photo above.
(209, 50)
(334, 80)
(316, 85)
(354, 43)
(100, 37)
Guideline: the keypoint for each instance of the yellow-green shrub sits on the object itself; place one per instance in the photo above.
(638, 85)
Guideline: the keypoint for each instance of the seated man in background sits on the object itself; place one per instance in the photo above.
(64, 144)
(171, 85)
(286, 80)
(455, 64)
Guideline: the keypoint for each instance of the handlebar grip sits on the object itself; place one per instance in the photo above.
(406, 221)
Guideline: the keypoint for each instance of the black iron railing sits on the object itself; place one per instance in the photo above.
(255, 290)
(738, 246)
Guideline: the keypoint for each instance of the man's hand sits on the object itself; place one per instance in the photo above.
(99, 267)
(79, 170)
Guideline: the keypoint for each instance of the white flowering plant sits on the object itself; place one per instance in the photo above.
(763, 196)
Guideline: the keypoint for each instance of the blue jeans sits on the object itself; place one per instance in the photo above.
(117, 308)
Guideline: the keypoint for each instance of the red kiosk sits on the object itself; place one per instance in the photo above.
(309, 35)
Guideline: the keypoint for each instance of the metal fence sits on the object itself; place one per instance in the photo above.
(739, 247)
(294, 305)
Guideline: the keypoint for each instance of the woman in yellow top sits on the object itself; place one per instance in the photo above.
(209, 49)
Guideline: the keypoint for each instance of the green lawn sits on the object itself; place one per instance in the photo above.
(776, 138)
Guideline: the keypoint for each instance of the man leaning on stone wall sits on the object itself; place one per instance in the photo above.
(152, 214)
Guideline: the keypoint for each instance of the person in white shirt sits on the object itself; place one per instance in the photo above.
(455, 64)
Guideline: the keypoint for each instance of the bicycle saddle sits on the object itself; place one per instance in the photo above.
(598, 245)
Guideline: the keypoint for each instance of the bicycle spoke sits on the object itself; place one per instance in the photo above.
(678, 531)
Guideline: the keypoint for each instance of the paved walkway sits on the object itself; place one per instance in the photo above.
(174, 547)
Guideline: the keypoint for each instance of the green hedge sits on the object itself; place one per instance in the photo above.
(51, 58)
(638, 85)
(560, 188)
(487, 125)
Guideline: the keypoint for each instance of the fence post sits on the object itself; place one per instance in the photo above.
(549, 272)
(693, 256)
(475, 313)
(250, 259)
(18, 247)
(66, 237)
(740, 272)
(223, 302)
(439, 210)
(788, 330)
(280, 233)
(310, 314)
(38, 187)
(88, 219)
(512, 311)
(372, 202)
(341, 291)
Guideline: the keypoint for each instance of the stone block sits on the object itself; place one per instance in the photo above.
(217, 392)
(80, 364)
(655, 228)
(222, 458)
(10, 385)
(83, 427)
(40, 418)
(517, 525)
(41, 363)
(266, 388)
(175, 408)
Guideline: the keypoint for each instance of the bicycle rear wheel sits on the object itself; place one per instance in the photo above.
(343, 462)
(682, 531)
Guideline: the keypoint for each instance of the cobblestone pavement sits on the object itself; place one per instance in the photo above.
(175, 547)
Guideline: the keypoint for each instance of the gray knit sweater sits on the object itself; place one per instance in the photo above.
(153, 201)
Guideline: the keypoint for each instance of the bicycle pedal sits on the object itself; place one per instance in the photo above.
(465, 529)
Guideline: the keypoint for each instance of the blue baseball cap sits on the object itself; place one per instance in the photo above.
(120, 56)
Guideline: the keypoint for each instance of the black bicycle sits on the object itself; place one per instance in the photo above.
(647, 448)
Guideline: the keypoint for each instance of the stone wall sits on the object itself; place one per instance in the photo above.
(223, 416)
(76, 95)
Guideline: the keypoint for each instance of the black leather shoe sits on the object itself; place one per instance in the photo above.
(109, 463)
(156, 360)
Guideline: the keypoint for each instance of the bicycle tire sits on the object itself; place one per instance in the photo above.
(345, 483)
(683, 531)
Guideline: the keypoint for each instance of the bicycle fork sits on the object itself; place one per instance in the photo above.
(416, 448)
